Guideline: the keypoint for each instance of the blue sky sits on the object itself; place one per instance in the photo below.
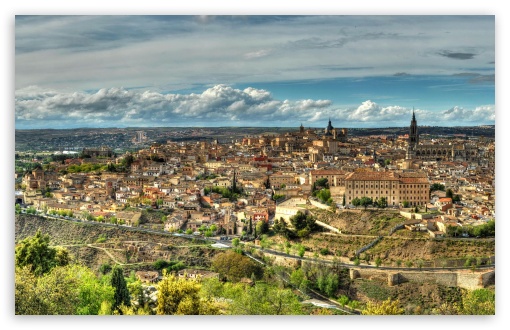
(242, 70)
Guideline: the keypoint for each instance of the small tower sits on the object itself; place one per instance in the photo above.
(301, 129)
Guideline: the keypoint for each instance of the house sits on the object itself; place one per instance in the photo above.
(444, 204)
(147, 276)
(197, 274)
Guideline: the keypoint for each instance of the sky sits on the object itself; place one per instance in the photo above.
(254, 70)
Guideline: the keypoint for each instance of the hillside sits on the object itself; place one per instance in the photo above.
(95, 245)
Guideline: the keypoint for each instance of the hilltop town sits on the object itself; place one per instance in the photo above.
(265, 177)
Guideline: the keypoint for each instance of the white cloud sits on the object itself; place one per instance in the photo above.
(216, 106)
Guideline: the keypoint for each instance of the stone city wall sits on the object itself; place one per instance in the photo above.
(463, 279)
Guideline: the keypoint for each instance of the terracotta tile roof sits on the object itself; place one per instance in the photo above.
(367, 176)
(328, 172)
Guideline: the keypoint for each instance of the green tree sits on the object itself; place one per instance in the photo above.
(437, 186)
(182, 297)
(365, 201)
(262, 227)
(235, 266)
(66, 290)
(356, 202)
(387, 307)
(235, 242)
(322, 182)
(36, 253)
(297, 277)
(301, 250)
(261, 299)
(478, 302)
(343, 300)
(382, 202)
(302, 221)
(118, 282)
(449, 193)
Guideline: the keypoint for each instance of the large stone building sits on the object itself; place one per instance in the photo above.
(412, 187)
(440, 151)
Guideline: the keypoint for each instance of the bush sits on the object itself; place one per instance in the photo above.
(324, 251)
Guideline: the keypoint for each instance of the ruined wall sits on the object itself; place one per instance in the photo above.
(463, 279)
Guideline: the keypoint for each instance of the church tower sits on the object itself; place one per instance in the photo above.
(413, 138)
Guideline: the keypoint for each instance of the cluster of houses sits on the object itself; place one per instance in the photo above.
(197, 180)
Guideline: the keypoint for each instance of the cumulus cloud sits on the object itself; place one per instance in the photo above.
(220, 105)
(479, 114)
(118, 106)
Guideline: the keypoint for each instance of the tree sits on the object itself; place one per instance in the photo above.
(261, 299)
(387, 307)
(382, 202)
(301, 250)
(118, 282)
(356, 202)
(297, 277)
(36, 253)
(280, 227)
(235, 242)
(262, 227)
(378, 262)
(449, 193)
(322, 182)
(405, 204)
(302, 221)
(478, 302)
(182, 297)
(67, 290)
(235, 266)
(437, 186)
(365, 201)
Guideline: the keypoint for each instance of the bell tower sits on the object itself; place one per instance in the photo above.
(413, 138)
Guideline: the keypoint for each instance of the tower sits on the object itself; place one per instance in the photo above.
(328, 129)
(413, 138)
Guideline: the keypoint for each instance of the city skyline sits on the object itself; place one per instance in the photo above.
(182, 71)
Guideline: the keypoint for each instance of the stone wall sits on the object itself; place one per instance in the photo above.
(463, 279)
(419, 216)
(319, 204)
(322, 224)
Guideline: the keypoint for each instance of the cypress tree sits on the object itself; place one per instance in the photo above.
(121, 290)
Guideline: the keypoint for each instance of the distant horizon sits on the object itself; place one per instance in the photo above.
(307, 127)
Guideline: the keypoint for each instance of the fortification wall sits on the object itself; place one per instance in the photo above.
(463, 279)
